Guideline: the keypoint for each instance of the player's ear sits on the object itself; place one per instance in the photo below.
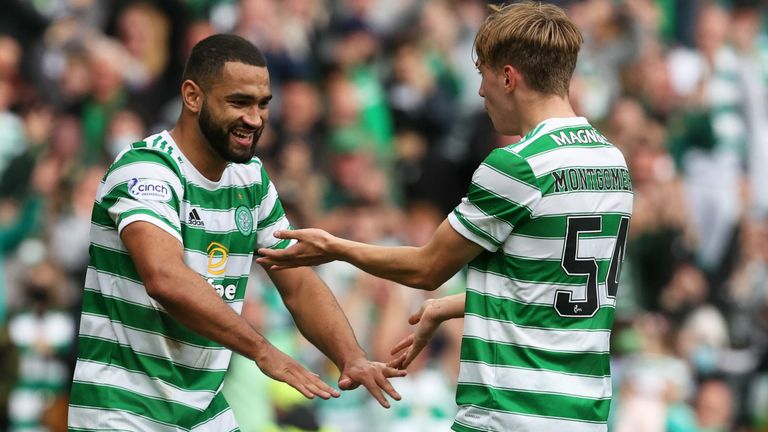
(192, 95)
(511, 76)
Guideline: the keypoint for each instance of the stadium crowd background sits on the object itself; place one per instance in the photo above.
(376, 128)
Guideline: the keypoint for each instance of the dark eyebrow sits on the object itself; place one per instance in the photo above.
(246, 97)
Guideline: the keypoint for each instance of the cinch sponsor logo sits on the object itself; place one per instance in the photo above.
(194, 219)
(217, 258)
(149, 189)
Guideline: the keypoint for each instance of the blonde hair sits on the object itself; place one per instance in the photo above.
(537, 39)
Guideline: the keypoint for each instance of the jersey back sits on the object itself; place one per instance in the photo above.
(552, 213)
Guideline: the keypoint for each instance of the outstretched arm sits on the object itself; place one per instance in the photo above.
(188, 298)
(425, 267)
(321, 320)
(430, 315)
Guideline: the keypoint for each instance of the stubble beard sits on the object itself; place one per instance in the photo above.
(218, 138)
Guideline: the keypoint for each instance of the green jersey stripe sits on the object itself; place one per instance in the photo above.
(223, 420)
(501, 207)
(188, 355)
(542, 404)
(533, 270)
(465, 226)
(555, 226)
(119, 262)
(99, 373)
(166, 411)
(589, 364)
(200, 240)
(223, 197)
(142, 318)
(194, 378)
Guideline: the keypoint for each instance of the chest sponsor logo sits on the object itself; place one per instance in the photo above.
(154, 190)
(217, 258)
(244, 220)
(217, 265)
(194, 219)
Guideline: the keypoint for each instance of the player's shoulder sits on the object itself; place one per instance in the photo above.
(154, 150)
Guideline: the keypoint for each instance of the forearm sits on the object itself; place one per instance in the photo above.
(199, 308)
(449, 307)
(403, 264)
(319, 317)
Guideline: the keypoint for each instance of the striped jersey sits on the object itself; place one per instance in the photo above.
(551, 213)
(138, 369)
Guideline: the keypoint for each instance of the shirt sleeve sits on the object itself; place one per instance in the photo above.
(502, 195)
(270, 217)
(143, 185)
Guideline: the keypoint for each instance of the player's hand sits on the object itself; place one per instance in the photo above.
(312, 248)
(278, 366)
(428, 321)
(374, 376)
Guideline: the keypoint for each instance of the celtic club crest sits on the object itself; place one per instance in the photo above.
(244, 220)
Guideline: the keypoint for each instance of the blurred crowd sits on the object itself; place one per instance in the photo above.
(376, 128)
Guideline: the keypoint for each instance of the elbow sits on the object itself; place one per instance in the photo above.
(157, 286)
(424, 282)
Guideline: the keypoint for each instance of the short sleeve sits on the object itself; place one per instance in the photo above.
(502, 195)
(271, 217)
(143, 185)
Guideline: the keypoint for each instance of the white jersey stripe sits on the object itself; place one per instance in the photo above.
(514, 378)
(215, 359)
(596, 341)
(585, 203)
(505, 186)
(141, 170)
(224, 422)
(541, 248)
(139, 383)
(114, 420)
(499, 421)
(529, 292)
(581, 157)
(126, 290)
(235, 266)
(147, 218)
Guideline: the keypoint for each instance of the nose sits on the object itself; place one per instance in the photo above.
(254, 118)
(481, 92)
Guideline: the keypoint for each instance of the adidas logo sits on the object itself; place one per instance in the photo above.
(194, 219)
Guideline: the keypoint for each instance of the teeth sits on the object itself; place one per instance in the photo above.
(241, 134)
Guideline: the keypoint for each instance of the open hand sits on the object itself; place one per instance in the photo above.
(278, 366)
(407, 349)
(374, 376)
(312, 248)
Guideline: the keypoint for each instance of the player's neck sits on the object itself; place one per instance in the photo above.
(538, 108)
(196, 149)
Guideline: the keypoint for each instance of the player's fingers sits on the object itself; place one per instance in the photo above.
(403, 344)
(375, 391)
(319, 387)
(387, 386)
(288, 234)
(392, 372)
(395, 362)
(416, 317)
